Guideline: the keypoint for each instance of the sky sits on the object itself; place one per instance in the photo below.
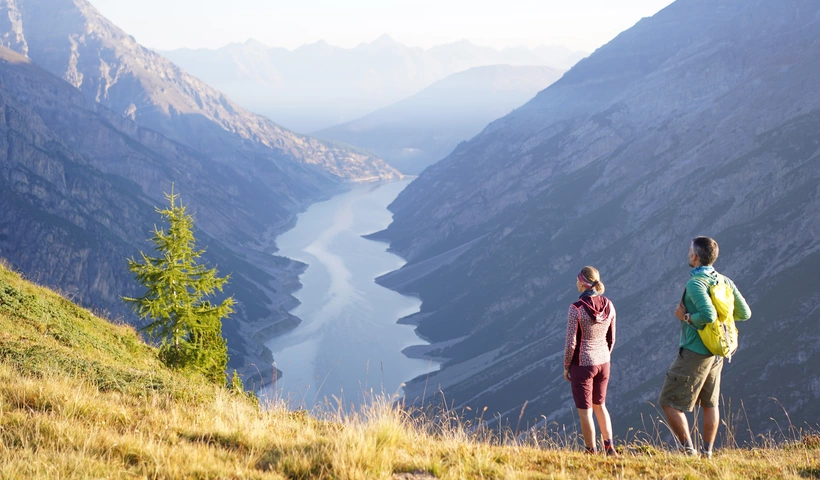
(578, 24)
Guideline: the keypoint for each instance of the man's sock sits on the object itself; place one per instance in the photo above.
(707, 449)
(608, 444)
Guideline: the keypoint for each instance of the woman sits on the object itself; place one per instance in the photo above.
(590, 338)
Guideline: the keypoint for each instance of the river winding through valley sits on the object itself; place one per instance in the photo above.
(348, 343)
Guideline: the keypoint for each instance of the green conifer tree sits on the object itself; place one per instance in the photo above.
(188, 327)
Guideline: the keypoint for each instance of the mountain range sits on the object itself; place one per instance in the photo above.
(416, 132)
(319, 85)
(701, 120)
(96, 128)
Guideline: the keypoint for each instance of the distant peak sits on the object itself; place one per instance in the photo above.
(320, 46)
(317, 44)
(385, 38)
(383, 41)
(252, 42)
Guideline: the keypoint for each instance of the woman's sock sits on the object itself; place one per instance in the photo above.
(609, 448)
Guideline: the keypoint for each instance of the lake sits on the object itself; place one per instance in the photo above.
(348, 343)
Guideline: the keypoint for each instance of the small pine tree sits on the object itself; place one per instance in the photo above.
(188, 327)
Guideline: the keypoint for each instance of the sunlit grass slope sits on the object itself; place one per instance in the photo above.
(83, 398)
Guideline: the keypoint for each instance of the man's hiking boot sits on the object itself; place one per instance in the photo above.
(707, 454)
(689, 452)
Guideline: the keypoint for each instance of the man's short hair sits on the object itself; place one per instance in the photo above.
(706, 249)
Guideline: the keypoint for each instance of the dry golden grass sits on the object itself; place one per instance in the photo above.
(81, 398)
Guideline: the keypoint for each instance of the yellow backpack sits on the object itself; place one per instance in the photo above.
(720, 336)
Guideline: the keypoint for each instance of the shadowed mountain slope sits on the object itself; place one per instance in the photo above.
(701, 120)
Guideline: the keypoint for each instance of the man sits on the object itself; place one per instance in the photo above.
(694, 377)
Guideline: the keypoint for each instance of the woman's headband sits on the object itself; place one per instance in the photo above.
(586, 283)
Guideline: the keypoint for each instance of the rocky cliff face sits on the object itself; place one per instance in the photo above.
(70, 39)
(11, 26)
(701, 120)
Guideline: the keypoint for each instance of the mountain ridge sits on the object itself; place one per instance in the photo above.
(423, 128)
(351, 82)
(105, 63)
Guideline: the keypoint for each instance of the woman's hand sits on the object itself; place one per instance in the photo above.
(566, 375)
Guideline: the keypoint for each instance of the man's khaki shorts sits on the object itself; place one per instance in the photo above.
(692, 379)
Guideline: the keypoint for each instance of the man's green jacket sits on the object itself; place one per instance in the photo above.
(699, 305)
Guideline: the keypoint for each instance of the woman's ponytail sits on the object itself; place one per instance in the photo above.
(593, 277)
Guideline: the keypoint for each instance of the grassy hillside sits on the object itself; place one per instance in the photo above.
(83, 398)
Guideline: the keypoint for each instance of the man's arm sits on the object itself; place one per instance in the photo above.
(698, 292)
(742, 310)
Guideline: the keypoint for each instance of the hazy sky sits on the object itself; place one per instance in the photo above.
(578, 24)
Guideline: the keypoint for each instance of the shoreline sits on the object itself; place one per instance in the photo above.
(280, 321)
